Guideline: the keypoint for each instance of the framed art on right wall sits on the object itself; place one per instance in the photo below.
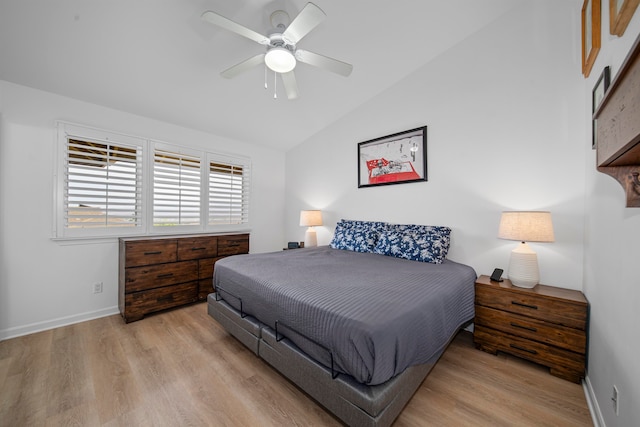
(591, 16)
(620, 13)
(599, 90)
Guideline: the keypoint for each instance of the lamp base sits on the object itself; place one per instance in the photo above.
(523, 267)
(310, 238)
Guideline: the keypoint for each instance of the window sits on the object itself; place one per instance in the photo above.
(104, 187)
(100, 183)
(228, 192)
(176, 189)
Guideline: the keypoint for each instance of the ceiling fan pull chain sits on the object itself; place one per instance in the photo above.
(275, 85)
(265, 76)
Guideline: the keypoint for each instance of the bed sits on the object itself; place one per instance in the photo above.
(357, 324)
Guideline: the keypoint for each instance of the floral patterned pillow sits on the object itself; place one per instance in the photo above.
(424, 243)
(357, 236)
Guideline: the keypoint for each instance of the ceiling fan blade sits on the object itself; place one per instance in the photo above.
(324, 62)
(234, 27)
(308, 18)
(290, 84)
(240, 68)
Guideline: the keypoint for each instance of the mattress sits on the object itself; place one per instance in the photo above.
(366, 315)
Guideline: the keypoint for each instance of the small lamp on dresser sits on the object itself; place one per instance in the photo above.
(525, 226)
(310, 219)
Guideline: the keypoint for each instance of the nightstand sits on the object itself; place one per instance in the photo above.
(545, 324)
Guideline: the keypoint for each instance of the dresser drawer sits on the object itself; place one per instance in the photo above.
(205, 276)
(146, 252)
(563, 363)
(205, 287)
(154, 276)
(533, 329)
(206, 266)
(538, 307)
(140, 303)
(233, 245)
(197, 247)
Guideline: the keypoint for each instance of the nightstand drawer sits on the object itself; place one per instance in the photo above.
(537, 330)
(563, 363)
(535, 306)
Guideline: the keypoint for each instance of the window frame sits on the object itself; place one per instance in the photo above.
(148, 147)
(68, 131)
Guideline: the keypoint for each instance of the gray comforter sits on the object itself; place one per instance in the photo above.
(375, 315)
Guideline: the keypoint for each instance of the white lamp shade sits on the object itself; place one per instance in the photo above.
(310, 218)
(526, 226)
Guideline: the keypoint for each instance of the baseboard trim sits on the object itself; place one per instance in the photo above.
(56, 323)
(592, 402)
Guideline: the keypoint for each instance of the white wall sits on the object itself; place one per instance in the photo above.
(612, 252)
(46, 283)
(504, 116)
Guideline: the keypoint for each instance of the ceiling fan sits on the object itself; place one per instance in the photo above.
(282, 54)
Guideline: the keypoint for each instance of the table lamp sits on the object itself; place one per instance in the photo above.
(310, 219)
(525, 226)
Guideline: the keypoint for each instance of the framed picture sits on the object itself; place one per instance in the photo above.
(590, 34)
(393, 159)
(599, 90)
(620, 13)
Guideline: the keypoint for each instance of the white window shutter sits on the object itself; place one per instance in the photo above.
(176, 189)
(102, 185)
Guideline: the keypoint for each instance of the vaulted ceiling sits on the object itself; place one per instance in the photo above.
(158, 59)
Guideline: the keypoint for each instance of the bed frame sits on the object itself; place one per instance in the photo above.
(354, 403)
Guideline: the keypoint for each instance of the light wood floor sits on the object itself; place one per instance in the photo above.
(180, 368)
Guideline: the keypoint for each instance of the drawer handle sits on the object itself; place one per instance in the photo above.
(232, 244)
(198, 249)
(517, 347)
(153, 253)
(528, 328)
(166, 298)
(164, 276)
(533, 307)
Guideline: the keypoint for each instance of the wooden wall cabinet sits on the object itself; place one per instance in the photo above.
(618, 128)
(157, 273)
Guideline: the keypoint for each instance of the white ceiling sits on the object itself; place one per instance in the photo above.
(158, 59)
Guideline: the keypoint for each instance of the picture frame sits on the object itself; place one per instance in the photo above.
(620, 13)
(597, 94)
(591, 38)
(399, 158)
(600, 88)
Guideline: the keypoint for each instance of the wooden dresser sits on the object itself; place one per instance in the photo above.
(156, 273)
(546, 325)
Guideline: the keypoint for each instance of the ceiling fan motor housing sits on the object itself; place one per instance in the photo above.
(280, 20)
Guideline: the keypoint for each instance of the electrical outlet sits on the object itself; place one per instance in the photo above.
(97, 288)
(614, 399)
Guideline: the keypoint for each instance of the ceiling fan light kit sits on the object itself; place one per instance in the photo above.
(280, 60)
(282, 53)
